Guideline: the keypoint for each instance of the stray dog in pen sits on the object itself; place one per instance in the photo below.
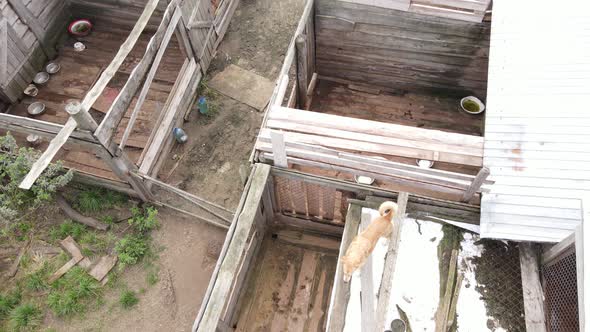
(364, 243)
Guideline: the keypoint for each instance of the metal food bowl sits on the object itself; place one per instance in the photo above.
(41, 78)
(423, 163)
(52, 67)
(36, 108)
(31, 90)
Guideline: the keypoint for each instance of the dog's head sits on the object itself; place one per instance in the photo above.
(388, 210)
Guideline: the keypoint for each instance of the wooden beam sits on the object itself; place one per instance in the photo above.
(150, 76)
(368, 312)
(45, 159)
(278, 149)
(282, 89)
(384, 296)
(230, 261)
(532, 291)
(301, 60)
(308, 225)
(26, 125)
(482, 175)
(341, 290)
(118, 108)
(445, 305)
(557, 249)
(34, 24)
(224, 248)
(3, 51)
(164, 130)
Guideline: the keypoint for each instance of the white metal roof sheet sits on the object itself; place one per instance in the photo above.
(537, 128)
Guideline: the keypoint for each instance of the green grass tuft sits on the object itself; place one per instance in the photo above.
(37, 281)
(152, 278)
(68, 228)
(25, 317)
(93, 199)
(9, 302)
(71, 293)
(128, 299)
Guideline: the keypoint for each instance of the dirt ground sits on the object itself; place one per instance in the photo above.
(257, 39)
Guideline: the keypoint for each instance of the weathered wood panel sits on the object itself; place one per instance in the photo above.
(401, 50)
(121, 13)
(27, 39)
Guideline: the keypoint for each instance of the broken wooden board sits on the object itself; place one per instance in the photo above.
(70, 245)
(102, 268)
(65, 268)
(244, 86)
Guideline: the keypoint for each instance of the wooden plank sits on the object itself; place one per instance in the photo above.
(340, 289)
(278, 148)
(237, 237)
(3, 51)
(45, 159)
(118, 108)
(482, 175)
(27, 18)
(531, 288)
(164, 129)
(302, 69)
(453, 309)
(150, 76)
(407, 143)
(378, 148)
(64, 269)
(300, 305)
(104, 265)
(70, 245)
(442, 316)
(384, 295)
(124, 50)
(368, 319)
(374, 127)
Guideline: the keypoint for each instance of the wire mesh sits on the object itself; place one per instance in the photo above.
(500, 283)
(561, 293)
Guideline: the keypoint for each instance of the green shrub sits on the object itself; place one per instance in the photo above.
(131, 249)
(15, 163)
(71, 293)
(144, 220)
(9, 302)
(68, 228)
(128, 299)
(37, 281)
(25, 317)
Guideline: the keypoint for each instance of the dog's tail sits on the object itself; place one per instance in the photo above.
(388, 210)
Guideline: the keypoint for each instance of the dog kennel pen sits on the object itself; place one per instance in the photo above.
(369, 88)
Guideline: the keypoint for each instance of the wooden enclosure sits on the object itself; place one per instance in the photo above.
(28, 33)
(135, 82)
(299, 217)
(374, 91)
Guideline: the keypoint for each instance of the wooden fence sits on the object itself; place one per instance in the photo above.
(28, 31)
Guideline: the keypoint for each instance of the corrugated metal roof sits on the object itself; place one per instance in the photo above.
(537, 129)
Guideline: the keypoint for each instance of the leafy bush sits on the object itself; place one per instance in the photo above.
(25, 317)
(144, 220)
(9, 302)
(94, 199)
(71, 293)
(131, 249)
(128, 299)
(15, 163)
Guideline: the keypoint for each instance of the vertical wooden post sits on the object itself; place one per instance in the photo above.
(532, 291)
(481, 176)
(3, 51)
(390, 260)
(301, 59)
(121, 165)
(277, 140)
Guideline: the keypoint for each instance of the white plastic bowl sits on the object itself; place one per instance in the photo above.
(472, 99)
